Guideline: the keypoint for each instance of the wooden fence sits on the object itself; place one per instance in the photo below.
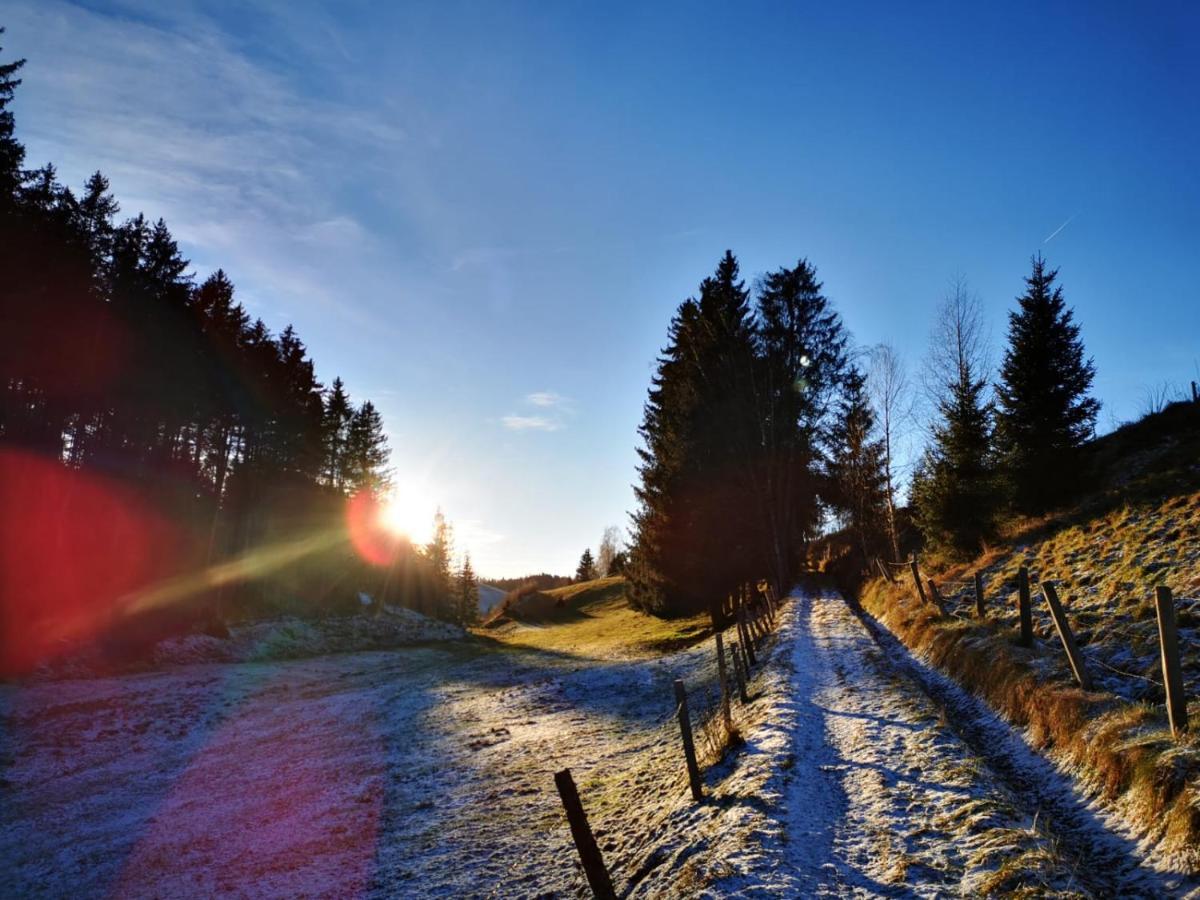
(1168, 635)
(751, 612)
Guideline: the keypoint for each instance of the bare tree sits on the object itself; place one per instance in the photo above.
(891, 394)
(1157, 397)
(610, 546)
(958, 343)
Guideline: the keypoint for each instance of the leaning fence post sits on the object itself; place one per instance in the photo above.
(689, 748)
(916, 574)
(979, 610)
(585, 842)
(1168, 640)
(1074, 657)
(1025, 609)
(724, 676)
(937, 597)
(883, 570)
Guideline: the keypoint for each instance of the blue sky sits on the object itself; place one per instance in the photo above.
(483, 215)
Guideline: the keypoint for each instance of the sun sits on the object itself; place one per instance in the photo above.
(408, 511)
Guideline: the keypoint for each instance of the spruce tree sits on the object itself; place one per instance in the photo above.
(857, 467)
(586, 570)
(802, 358)
(695, 530)
(12, 154)
(955, 491)
(439, 551)
(1044, 410)
(336, 422)
(365, 455)
(467, 593)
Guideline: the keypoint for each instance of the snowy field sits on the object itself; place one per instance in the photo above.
(428, 771)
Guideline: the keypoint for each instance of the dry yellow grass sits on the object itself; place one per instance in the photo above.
(1121, 749)
(596, 620)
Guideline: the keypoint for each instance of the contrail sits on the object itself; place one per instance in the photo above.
(1055, 232)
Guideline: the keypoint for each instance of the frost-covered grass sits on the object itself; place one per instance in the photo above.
(1139, 527)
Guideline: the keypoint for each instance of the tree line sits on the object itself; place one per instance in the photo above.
(116, 360)
(764, 425)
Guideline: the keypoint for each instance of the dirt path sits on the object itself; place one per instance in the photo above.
(429, 772)
(914, 788)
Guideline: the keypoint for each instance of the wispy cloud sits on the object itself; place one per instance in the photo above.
(546, 399)
(530, 423)
(1055, 232)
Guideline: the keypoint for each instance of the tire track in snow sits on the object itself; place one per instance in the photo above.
(885, 798)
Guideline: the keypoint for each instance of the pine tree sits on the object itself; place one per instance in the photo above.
(857, 467)
(366, 452)
(12, 154)
(802, 358)
(1044, 411)
(695, 533)
(439, 552)
(467, 593)
(336, 422)
(955, 492)
(586, 570)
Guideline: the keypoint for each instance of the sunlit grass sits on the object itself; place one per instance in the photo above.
(597, 620)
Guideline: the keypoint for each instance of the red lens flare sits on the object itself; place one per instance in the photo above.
(373, 541)
(71, 547)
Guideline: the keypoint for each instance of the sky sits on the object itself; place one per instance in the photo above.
(482, 215)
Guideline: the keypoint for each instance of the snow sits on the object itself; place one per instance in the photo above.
(427, 771)
(287, 637)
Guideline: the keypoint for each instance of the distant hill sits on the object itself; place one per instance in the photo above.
(489, 597)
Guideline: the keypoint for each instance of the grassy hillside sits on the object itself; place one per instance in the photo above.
(1138, 528)
(592, 618)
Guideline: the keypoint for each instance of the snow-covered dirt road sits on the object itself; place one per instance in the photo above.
(428, 771)
(892, 795)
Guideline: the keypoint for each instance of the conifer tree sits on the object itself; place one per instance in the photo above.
(439, 551)
(467, 593)
(366, 452)
(694, 529)
(1044, 410)
(955, 491)
(336, 422)
(857, 467)
(802, 358)
(12, 154)
(586, 570)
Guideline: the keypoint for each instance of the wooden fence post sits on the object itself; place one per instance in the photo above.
(884, 571)
(585, 842)
(937, 597)
(1195, 393)
(979, 610)
(916, 574)
(747, 641)
(1168, 640)
(724, 677)
(1024, 607)
(689, 748)
(737, 619)
(1074, 657)
(738, 670)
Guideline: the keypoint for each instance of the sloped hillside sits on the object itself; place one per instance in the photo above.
(1138, 529)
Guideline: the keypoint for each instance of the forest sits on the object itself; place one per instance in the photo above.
(176, 433)
(766, 428)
